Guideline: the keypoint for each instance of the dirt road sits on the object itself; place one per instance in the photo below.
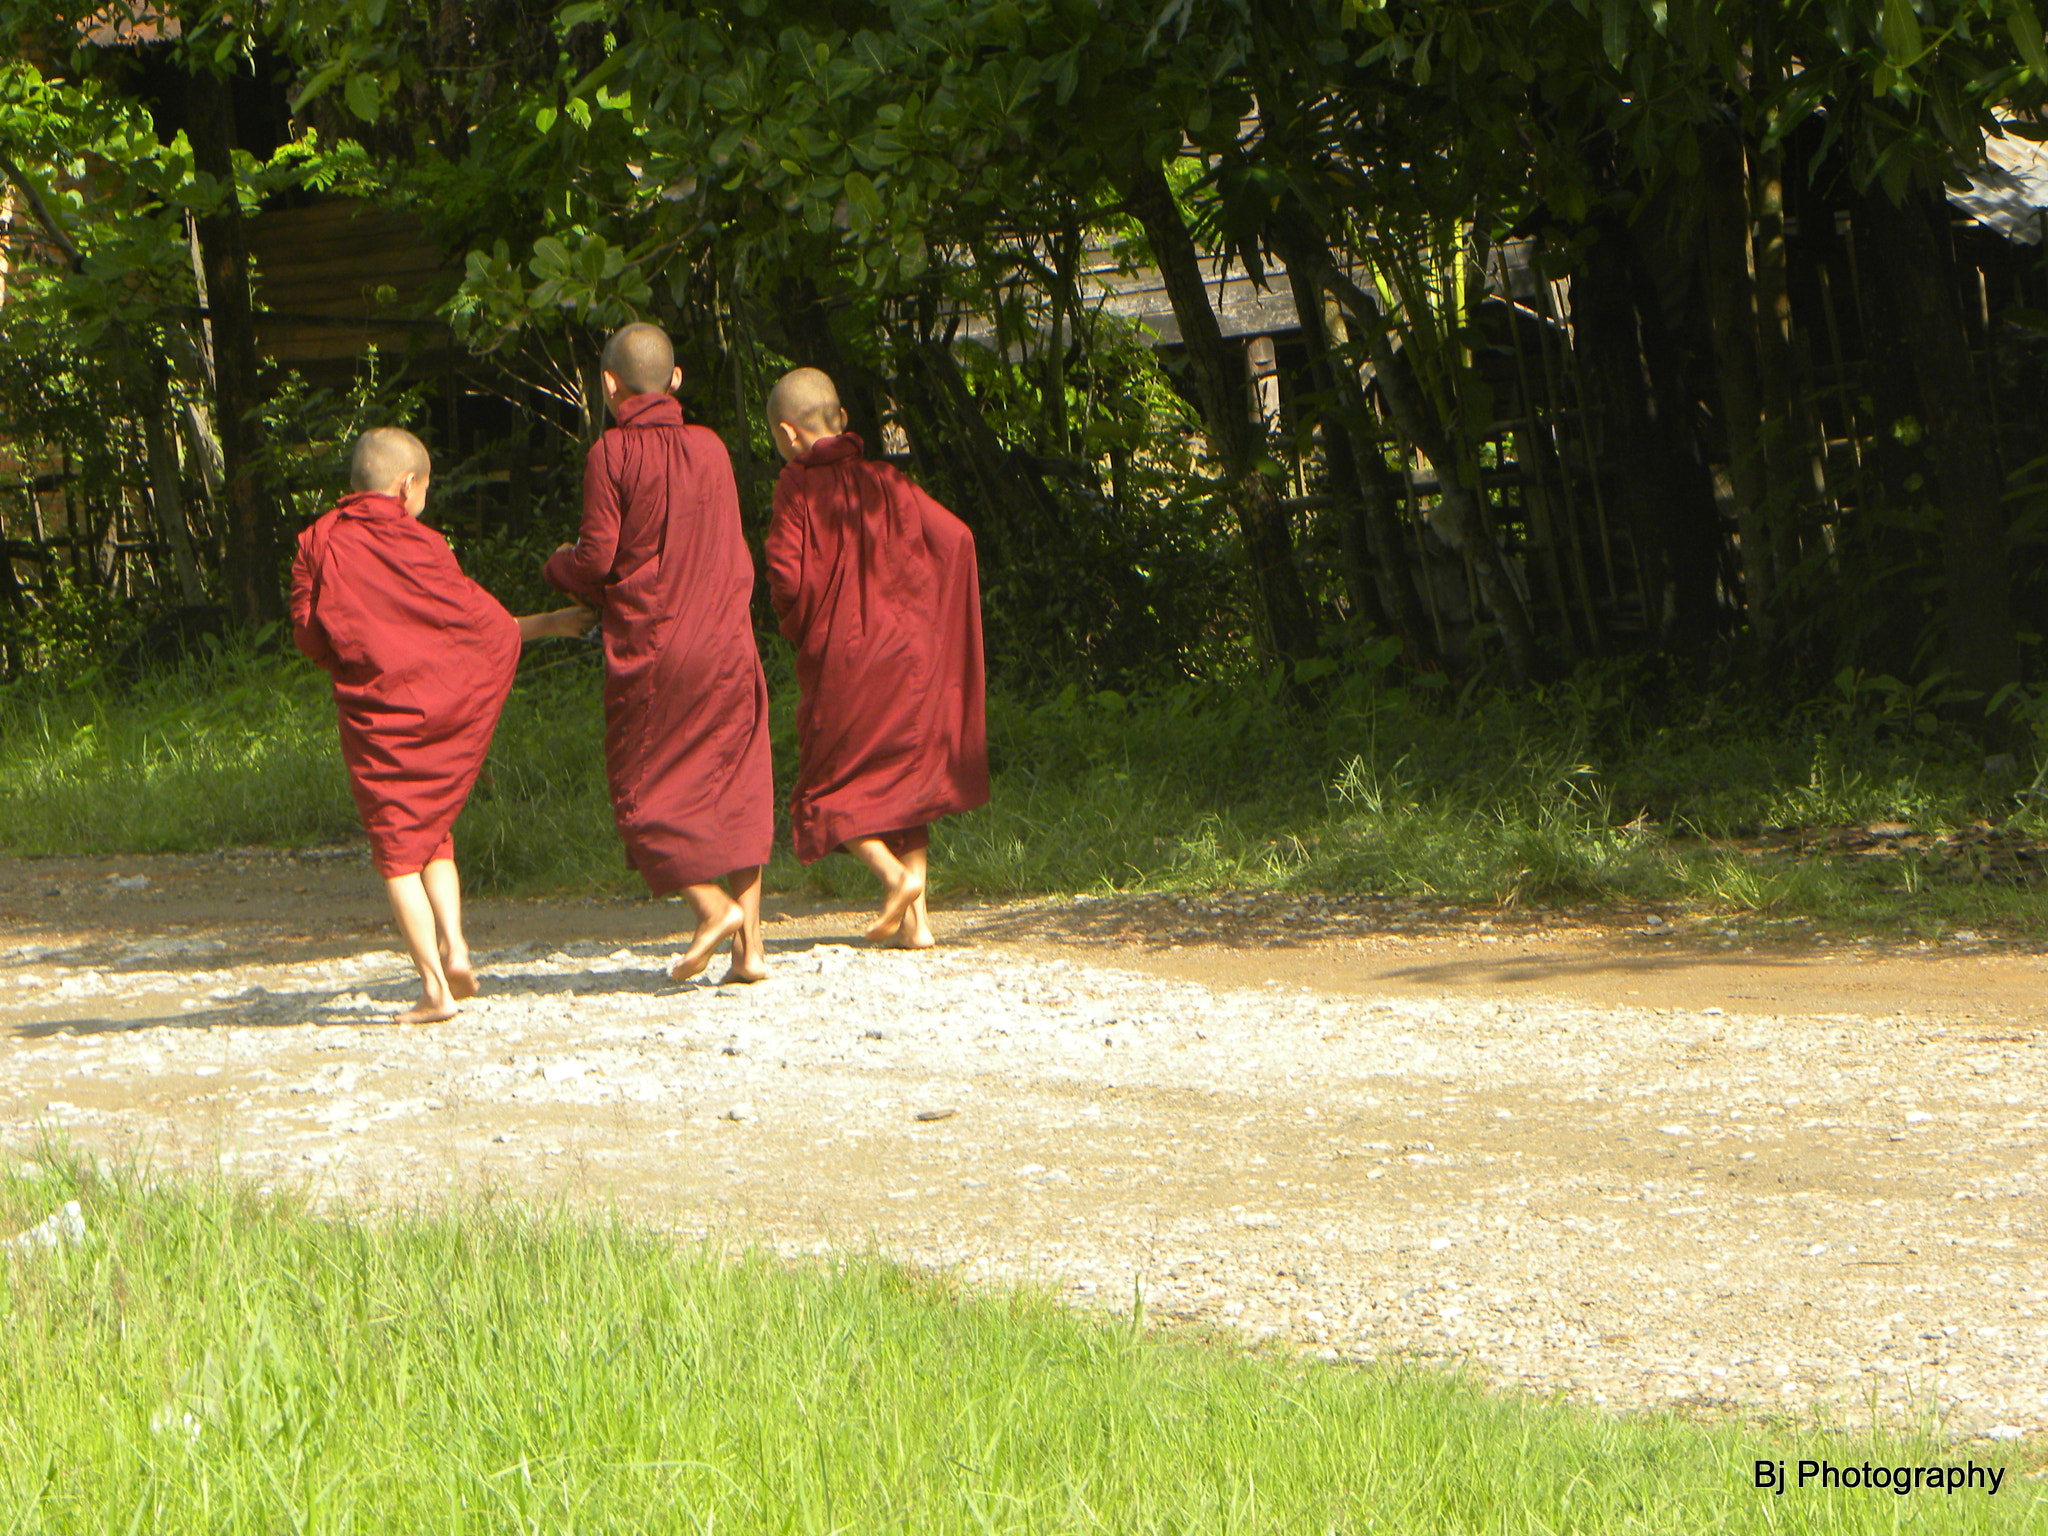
(1639, 1159)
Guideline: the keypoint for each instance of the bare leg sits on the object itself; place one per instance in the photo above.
(718, 918)
(444, 895)
(900, 888)
(749, 955)
(415, 916)
(914, 932)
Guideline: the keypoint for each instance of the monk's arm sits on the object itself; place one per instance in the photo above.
(783, 553)
(566, 623)
(580, 569)
(307, 634)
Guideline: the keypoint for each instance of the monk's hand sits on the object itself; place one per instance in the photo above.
(568, 623)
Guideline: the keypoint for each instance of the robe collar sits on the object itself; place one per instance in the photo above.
(830, 450)
(648, 411)
(371, 506)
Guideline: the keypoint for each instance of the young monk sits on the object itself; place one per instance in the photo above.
(422, 658)
(875, 585)
(662, 558)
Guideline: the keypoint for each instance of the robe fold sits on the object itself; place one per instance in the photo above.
(875, 585)
(422, 659)
(661, 556)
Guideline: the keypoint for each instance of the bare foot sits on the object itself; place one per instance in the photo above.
(461, 979)
(743, 975)
(426, 1012)
(705, 943)
(897, 900)
(914, 932)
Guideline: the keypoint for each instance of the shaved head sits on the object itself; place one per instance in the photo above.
(384, 456)
(641, 359)
(807, 398)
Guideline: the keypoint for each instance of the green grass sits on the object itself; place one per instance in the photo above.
(214, 1359)
(1580, 792)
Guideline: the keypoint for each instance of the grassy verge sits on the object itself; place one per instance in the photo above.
(1580, 792)
(211, 1359)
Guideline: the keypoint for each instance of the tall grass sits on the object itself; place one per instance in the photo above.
(213, 1360)
(1581, 791)
(239, 750)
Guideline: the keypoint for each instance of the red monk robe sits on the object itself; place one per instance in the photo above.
(422, 658)
(875, 585)
(662, 557)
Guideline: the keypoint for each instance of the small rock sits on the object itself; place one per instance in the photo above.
(741, 1114)
(60, 1229)
(929, 1115)
(2005, 1432)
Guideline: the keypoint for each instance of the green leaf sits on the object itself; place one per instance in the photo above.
(911, 255)
(862, 194)
(2025, 26)
(364, 98)
(550, 257)
(596, 80)
(1614, 30)
(323, 78)
(1901, 33)
(576, 15)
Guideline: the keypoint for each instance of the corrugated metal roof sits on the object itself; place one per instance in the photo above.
(2010, 194)
(129, 24)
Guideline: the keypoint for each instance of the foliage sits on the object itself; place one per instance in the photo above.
(925, 198)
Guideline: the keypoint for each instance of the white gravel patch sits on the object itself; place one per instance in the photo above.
(1630, 1206)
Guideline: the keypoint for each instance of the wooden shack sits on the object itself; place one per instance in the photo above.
(338, 277)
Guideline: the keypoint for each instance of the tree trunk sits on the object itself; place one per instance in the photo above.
(1692, 531)
(1609, 348)
(1786, 426)
(252, 556)
(1664, 494)
(1223, 395)
(1369, 527)
(166, 484)
(1458, 515)
(1731, 309)
(998, 494)
(1917, 273)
